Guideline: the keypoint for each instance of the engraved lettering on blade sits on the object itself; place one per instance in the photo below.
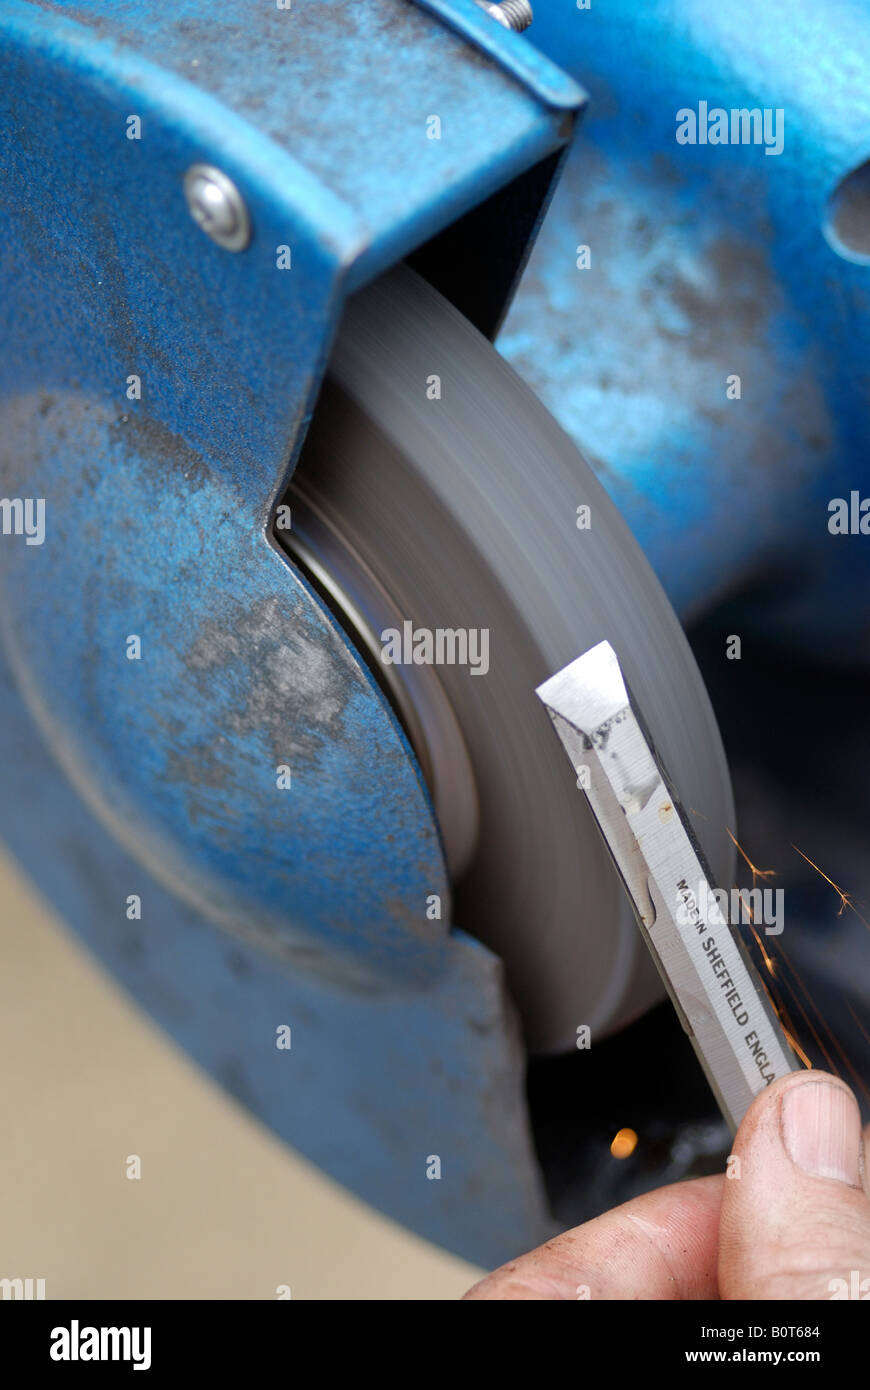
(730, 1020)
(667, 852)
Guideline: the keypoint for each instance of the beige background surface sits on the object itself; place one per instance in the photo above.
(222, 1209)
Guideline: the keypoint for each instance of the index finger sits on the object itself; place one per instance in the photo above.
(662, 1245)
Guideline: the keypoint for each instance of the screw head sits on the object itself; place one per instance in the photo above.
(217, 206)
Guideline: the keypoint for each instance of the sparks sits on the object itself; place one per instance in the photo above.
(771, 965)
(775, 997)
(624, 1143)
(756, 873)
(864, 1032)
(835, 1042)
(768, 960)
(845, 898)
(797, 1047)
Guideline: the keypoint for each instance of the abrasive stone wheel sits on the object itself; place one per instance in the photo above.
(457, 509)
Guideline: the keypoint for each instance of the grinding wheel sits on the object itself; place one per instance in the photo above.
(457, 508)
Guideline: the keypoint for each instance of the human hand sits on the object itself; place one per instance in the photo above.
(794, 1219)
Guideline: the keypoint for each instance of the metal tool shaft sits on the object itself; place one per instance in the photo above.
(716, 990)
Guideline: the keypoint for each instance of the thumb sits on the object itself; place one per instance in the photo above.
(795, 1220)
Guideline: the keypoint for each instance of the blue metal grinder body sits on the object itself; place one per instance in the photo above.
(157, 777)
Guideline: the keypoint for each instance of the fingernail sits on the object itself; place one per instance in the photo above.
(821, 1127)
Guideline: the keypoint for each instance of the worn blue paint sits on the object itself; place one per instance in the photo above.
(158, 510)
(106, 276)
(706, 261)
(157, 525)
(375, 1080)
(550, 82)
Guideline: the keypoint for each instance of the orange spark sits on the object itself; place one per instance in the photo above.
(775, 998)
(859, 1023)
(845, 899)
(756, 873)
(768, 960)
(771, 965)
(624, 1143)
(859, 1081)
(832, 1066)
(797, 1047)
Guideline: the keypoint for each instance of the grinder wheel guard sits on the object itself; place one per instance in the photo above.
(435, 489)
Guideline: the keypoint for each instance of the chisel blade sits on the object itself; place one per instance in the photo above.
(715, 988)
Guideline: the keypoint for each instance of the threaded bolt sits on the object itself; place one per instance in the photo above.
(512, 14)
